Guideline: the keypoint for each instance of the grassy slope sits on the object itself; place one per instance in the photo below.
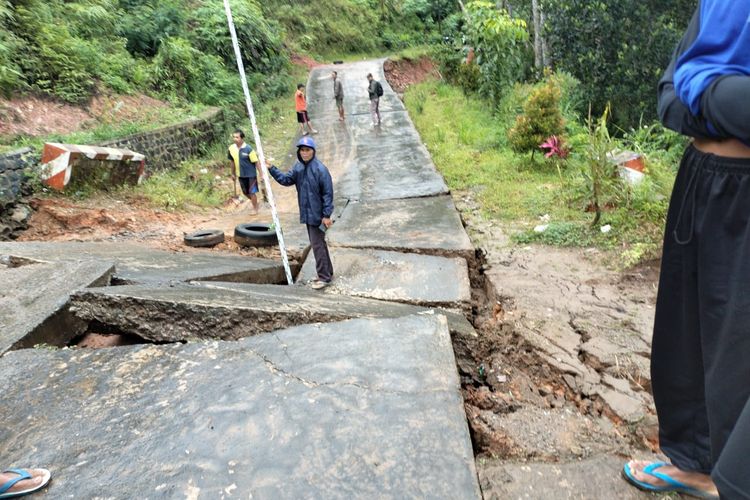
(467, 142)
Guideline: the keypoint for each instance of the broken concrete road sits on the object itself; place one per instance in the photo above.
(420, 225)
(398, 277)
(139, 264)
(34, 301)
(229, 311)
(389, 163)
(355, 409)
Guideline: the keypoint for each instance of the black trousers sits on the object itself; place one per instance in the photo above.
(320, 250)
(700, 361)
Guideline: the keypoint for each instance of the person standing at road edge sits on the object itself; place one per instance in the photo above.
(245, 166)
(300, 104)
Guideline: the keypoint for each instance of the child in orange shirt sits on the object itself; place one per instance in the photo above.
(300, 104)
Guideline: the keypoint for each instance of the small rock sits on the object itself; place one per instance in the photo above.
(21, 214)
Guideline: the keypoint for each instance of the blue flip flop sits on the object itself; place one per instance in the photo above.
(672, 484)
(22, 475)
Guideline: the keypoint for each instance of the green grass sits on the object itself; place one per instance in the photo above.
(467, 141)
(193, 184)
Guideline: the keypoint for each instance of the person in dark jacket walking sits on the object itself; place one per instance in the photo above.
(700, 358)
(375, 91)
(315, 198)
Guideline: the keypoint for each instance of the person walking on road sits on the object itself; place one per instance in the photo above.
(375, 90)
(300, 104)
(338, 94)
(245, 166)
(315, 198)
(700, 359)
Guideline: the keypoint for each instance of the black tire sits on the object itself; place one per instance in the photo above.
(255, 234)
(338, 62)
(204, 238)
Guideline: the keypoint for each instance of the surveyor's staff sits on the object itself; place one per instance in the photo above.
(256, 135)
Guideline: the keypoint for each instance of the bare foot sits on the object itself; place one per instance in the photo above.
(702, 482)
(38, 478)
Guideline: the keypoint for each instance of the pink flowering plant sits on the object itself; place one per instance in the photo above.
(555, 148)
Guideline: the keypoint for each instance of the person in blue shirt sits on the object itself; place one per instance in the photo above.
(700, 357)
(315, 198)
(245, 167)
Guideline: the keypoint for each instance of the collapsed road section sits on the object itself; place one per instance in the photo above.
(245, 387)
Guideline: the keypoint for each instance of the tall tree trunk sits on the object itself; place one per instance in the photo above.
(504, 4)
(545, 48)
(536, 15)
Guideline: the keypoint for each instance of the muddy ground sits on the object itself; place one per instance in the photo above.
(559, 370)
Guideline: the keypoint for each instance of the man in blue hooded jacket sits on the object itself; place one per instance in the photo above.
(315, 198)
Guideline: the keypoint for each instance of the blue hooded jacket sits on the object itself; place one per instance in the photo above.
(721, 47)
(314, 186)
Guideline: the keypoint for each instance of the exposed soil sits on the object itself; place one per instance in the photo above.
(105, 218)
(31, 115)
(519, 404)
(306, 61)
(405, 72)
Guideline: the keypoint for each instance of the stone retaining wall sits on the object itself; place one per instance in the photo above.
(166, 147)
(14, 188)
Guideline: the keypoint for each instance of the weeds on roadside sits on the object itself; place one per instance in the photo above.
(469, 147)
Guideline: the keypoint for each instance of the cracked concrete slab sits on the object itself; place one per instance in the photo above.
(229, 311)
(140, 264)
(388, 162)
(421, 225)
(344, 410)
(373, 162)
(34, 300)
(400, 277)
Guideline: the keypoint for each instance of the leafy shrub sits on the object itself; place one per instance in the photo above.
(182, 71)
(327, 25)
(10, 74)
(601, 183)
(501, 46)
(148, 22)
(541, 119)
(617, 49)
(259, 39)
(61, 47)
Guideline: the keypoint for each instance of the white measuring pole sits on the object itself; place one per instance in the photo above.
(258, 145)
